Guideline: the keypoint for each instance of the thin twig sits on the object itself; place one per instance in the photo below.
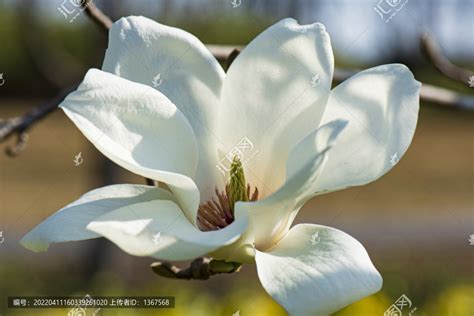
(446, 97)
(428, 93)
(96, 15)
(19, 146)
(19, 125)
(433, 52)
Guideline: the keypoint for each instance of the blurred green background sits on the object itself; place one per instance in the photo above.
(414, 222)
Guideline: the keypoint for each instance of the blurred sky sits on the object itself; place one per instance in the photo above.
(356, 29)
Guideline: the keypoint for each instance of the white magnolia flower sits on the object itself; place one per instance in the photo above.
(178, 133)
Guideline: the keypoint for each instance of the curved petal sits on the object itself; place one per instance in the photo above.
(382, 106)
(274, 94)
(317, 270)
(138, 128)
(159, 229)
(181, 67)
(69, 223)
(271, 217)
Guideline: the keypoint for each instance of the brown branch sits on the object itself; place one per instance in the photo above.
(96, 15)
(20, 124)
(428, 93)
(199, 269)
(19, 146)
(446, 97)
(433, 52)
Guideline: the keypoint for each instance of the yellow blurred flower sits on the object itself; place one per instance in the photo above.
(455, 301)
(374, 305)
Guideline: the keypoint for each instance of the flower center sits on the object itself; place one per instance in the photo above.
(218, 212)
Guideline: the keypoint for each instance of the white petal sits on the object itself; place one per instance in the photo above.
(274, 94)
(317, 270)
(271, 217)
(180, 66)
(69, 223)
(381, 105)
(138, 128)
(159, 229)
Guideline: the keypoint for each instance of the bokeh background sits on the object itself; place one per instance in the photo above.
(415, 222)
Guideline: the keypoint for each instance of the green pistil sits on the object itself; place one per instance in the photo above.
(237, 183)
